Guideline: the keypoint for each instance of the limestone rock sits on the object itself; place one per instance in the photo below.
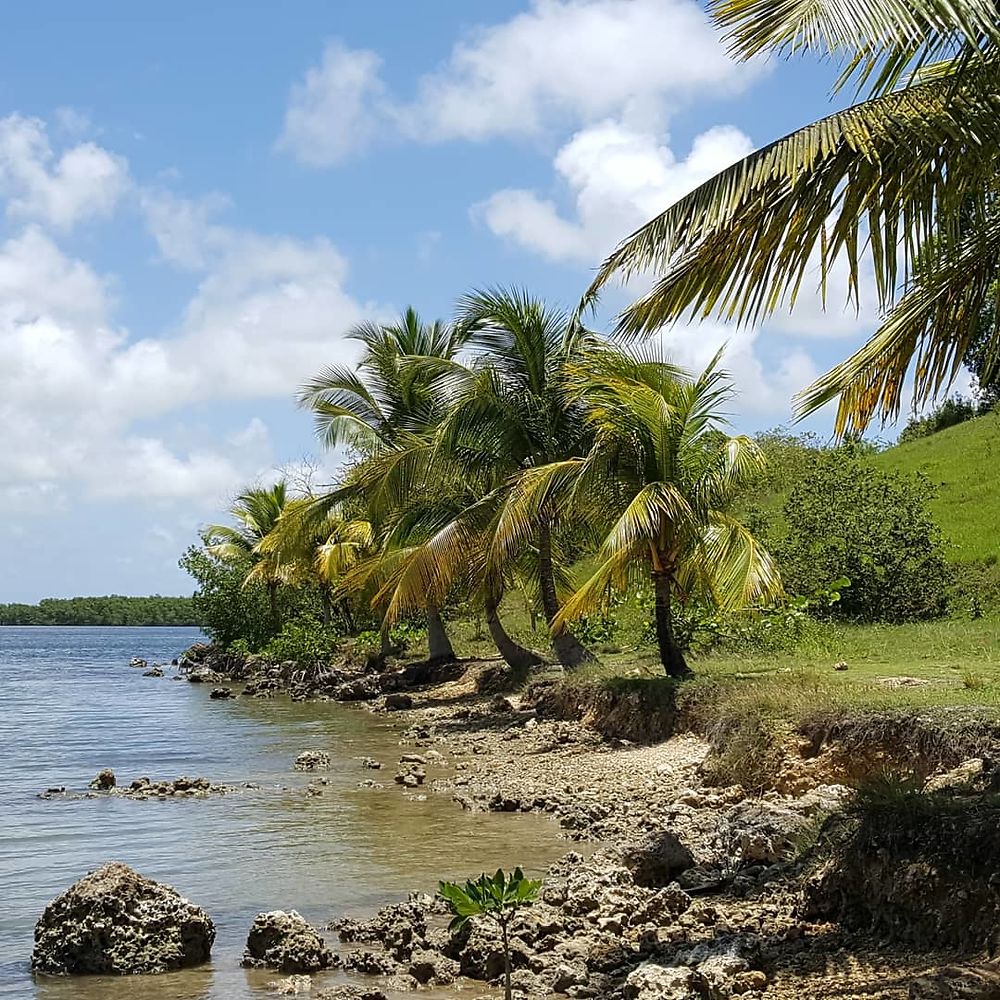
(116, 922)
(762, 832)
(665, 982)
(312, 760)
(656, 860)
(283, 940)
(104, 781)
(966, 777)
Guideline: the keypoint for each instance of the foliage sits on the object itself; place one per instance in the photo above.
(905, 179)
(848, 519)
(306, 640)
(657, 485)
(112, 610)
(981, 355)
(498, 897)
(225, 608)
(953, 410)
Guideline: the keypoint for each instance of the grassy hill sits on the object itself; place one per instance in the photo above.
(963, 463)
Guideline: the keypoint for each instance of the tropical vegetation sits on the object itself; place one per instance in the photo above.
(902, 183)
(111, 610)
(497, 897)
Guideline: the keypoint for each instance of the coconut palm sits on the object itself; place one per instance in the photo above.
(317, 543)
(256, 511)
(658, 482)
(509, 413)
(384, 409)
(906, 177)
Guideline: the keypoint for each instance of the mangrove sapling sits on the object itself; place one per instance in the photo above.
(498, 897)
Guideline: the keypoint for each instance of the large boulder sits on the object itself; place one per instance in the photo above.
(652, 981)
(657, 859)
(758, 832)
(116, 922)
(283, 940)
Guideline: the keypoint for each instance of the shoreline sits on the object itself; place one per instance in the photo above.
(693, 887)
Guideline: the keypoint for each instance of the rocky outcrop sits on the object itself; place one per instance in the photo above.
(104, 781)
(656, 860)
(283, 940)
(116, 922)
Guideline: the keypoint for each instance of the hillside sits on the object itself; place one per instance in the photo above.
(963, 463)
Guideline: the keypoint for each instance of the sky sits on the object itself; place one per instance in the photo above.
(197, 201)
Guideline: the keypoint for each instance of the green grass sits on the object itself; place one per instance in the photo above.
(963, 463)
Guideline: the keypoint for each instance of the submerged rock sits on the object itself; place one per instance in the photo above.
(138, 661)
(220, 694)
(153, 671)
(116, 922)
(312, 760)
(283, 940)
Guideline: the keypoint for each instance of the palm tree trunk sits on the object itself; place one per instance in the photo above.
(438, 644)
(570, 652)
(385, 642)
(324, 597)
(345, 610)
(516, 656)
(671, 655)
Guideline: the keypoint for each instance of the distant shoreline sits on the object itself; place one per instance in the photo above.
(108, 610)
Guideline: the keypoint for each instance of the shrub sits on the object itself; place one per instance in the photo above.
(952, 411)
(305, 640)
(225, 608)
(848, 519)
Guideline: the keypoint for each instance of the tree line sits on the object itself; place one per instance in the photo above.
(113, 609)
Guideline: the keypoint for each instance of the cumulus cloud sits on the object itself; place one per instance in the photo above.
(75, 389)
(571, 62)
(561, 63)
(336, 109)
(85, 181)
(616, 178)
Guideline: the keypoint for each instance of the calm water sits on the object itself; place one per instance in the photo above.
(70, 705)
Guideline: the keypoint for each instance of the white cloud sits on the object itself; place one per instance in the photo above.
(561, 63)
(74, 388)
(616, 178)
(763, 389)
(84, 182)
(572, 62)
(336, 109)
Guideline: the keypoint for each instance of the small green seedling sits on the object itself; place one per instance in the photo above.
(498, 897)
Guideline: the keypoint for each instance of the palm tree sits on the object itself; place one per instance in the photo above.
(384, 410)
(317, 543)
(906, 177)
(510, 414)
(658, 482)
(256, 511)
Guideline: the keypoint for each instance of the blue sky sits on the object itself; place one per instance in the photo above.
(199, 200)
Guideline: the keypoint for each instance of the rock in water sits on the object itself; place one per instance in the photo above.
(284, 941)
(116, 922)
(104, 781)
(312, 760)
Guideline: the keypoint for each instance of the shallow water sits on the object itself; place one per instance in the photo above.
(70, 705)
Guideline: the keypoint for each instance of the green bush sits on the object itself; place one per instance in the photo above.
(225, 608)
(305, 640)
(848, 519)
(952, 411)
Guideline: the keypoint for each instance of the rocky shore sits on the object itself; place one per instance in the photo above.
(680, 888)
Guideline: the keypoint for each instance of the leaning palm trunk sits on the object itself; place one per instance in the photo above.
(671, 654)
(515, 656)
(438, 643)
(570, 652)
